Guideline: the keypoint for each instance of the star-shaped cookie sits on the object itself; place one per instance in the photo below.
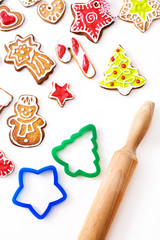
(60, 93)
(90, 18)
(140, 12)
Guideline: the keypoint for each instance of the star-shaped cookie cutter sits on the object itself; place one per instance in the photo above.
(21, 186)
(73, 138)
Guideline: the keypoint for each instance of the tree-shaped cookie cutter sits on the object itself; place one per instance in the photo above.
(21, 186)
(73, 138)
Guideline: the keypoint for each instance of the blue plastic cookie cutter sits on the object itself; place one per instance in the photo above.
(21, 186)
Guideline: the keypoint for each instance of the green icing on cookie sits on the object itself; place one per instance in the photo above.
(141, 7)
(120, 74)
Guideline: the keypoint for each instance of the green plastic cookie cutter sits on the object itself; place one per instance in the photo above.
(73, 138)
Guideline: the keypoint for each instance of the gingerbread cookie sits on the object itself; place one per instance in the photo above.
(6, 165)
(25, 52)
(120, 74)
(5, 99)
(28, 3)
(90, 18)
(26, 125)
(141, 12)
(9, 20)
(60, 93)
(68, 47)
(51, 12)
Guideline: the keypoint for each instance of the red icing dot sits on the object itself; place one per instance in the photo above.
(114, 72)
(117, 50)
(138, 81)
(123, 77)
(112, 59)
(109, 19)
(112, 84)
(123, 65)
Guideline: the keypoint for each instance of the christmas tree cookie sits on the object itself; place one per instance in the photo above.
(72, 167)
(120, 74)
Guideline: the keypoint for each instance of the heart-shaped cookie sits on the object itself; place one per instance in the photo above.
(29, 3)
(51, 12)
(9, 20)
(6, 166)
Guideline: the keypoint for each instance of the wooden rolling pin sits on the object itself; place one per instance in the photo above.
(116, 179)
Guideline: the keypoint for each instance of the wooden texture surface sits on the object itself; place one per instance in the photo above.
(116, 179)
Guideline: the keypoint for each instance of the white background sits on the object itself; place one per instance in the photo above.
(111, 113)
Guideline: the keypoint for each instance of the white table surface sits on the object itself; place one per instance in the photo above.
(111, 113)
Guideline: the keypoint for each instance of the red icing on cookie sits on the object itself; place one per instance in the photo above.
(85, 64)
(123, 65)
(123, 77)
(7, 19)
(112, 59)
(75, 46)
(138, 81)
(90, 19)
(6, 166)
(61, 49)
(114, 72)
(117, 50)
(112, 84)
(61, 93)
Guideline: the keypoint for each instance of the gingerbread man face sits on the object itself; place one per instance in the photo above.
(26, 112)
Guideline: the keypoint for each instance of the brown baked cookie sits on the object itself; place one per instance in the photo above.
(9, 20)
(51, 12)
(29, 3)
(5, 99)
(141, 13)
(24, 52)
(26, 125)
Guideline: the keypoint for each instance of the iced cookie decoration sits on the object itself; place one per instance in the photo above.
(26, 126)
(68, 47)
(75, 168)
(9, 20)
(60, 93)
(140, 12)
(6, 165)
(120, 74)
(51, 12)
(29, 3)
(5, 99)
(90, 18)
(25, 52)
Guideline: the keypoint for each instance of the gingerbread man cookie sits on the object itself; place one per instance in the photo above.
(26, 125)
(5, 99)
(28, 3)
(90, 18)
(9, 20)
(24, 52)
(51, 12)
(140, 12)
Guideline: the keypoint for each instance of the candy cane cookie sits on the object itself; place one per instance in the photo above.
(51, 12)
(68, 47)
